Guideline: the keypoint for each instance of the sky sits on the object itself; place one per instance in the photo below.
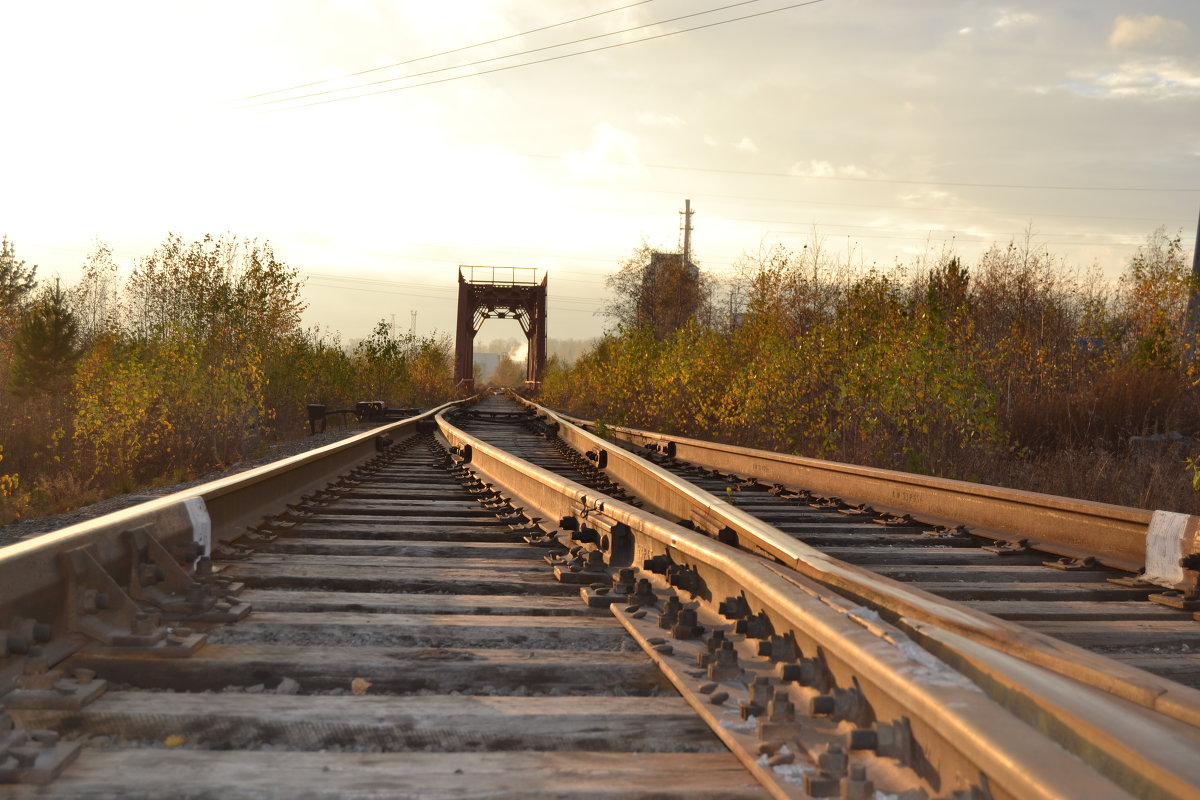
(883, 129)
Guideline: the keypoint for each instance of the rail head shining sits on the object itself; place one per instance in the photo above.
(914, 610)
(1117, 536)
(893, 670)
(33, 576)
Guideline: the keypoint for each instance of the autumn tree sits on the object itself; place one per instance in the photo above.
(215, 289)
(17, 283)
(95, 300)
(46, 344)
(947, 289)
(1154, 289)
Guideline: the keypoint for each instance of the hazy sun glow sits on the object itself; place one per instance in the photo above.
(889, 129)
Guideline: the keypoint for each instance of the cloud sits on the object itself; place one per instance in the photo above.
(1014, 19)
(1162, 79)
(746, 145)
(1147, 32)
(710, 141)
(653, 120)
(929, 196)
(1004, 19)
(824, 169)
(609, 143)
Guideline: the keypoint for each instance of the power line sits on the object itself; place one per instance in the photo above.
(855, 179)
(494, 58)
(441, 290)
(438, 55)
(776, 201)
(540, 60)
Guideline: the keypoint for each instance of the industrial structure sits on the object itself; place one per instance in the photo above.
(500, 293)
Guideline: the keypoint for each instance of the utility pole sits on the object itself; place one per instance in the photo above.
(1192, 326)
(412, 324)
(687, 232)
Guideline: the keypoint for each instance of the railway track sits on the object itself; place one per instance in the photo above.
(423, 612)
(1075, 598)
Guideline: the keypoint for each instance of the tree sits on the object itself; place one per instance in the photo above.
(95, 300)
(1155, 293)
(658, 291)
(17, 281)
(946, 292)
(46, 345)
(216, 290)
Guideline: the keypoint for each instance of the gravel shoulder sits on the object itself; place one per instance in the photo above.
(31, 528)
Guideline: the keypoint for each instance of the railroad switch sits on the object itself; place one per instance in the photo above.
(33, 757)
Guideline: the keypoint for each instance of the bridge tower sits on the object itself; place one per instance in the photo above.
(500, 293)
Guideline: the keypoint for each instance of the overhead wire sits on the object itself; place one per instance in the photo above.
(443, 53)
(534, 62)
(672, 167)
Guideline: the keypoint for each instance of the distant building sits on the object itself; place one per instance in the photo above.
(671, 293)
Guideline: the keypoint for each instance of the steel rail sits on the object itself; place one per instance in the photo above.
(1114, 535)
(919, 613)
(33, 572)
(963, 727)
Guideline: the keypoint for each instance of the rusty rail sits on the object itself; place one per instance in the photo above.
(952, 630)
(1114, 535)
(960, 728)
(185, 525)
(842, 662)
